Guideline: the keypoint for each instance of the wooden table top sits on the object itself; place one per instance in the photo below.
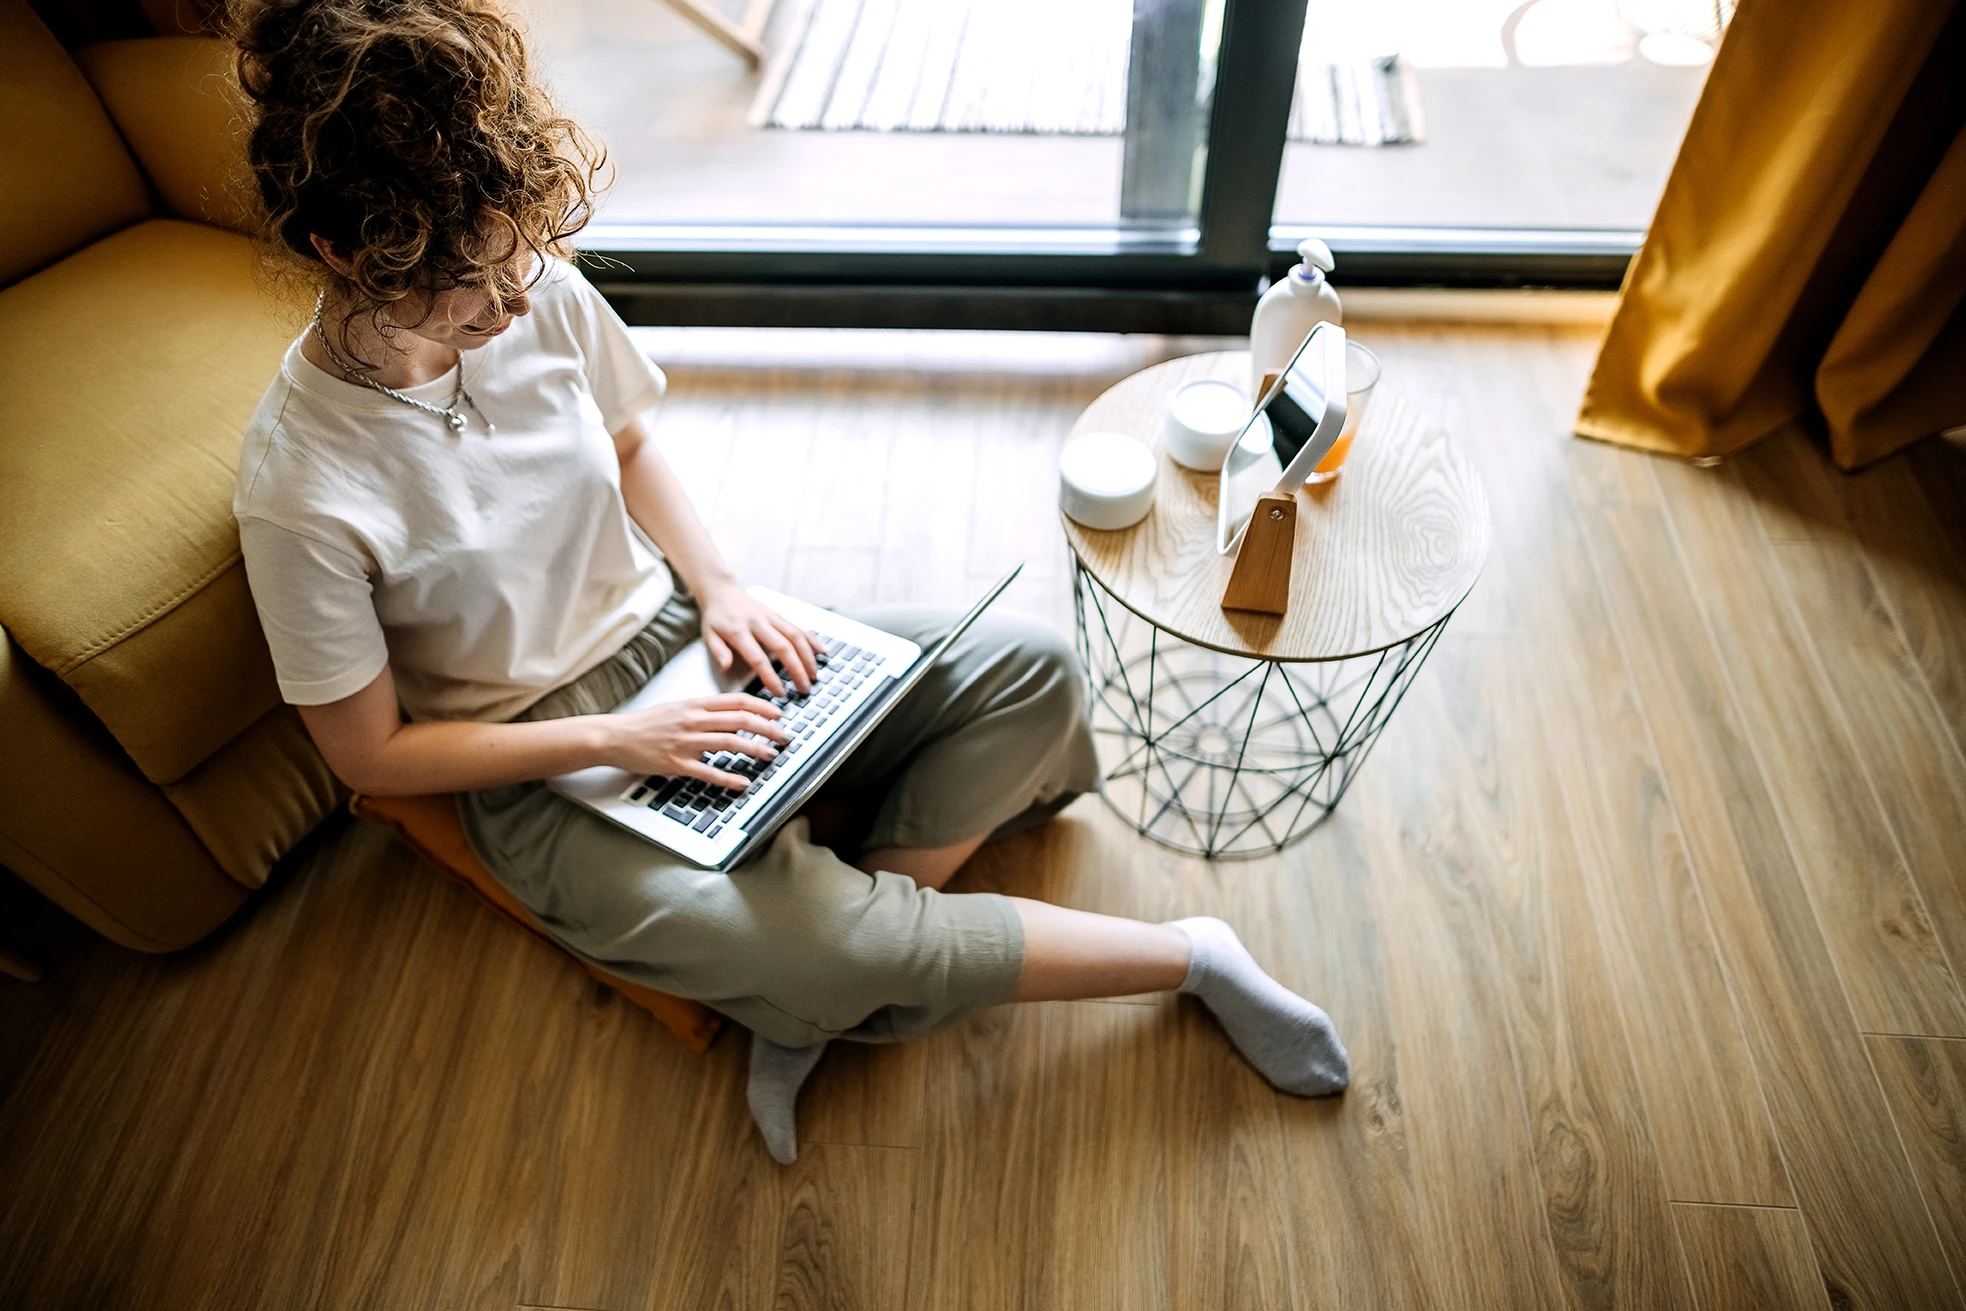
(1383, 551)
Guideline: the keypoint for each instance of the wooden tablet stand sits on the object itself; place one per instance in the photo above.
(1260, 579)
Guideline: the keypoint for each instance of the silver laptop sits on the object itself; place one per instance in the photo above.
(863, 674)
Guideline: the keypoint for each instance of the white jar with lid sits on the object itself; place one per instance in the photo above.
(1201, 419)
(1106, 480)
(1201, 422)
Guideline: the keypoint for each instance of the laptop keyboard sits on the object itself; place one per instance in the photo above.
(708, 808)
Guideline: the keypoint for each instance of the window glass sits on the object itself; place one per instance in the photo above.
(892, 112)
(1548, 114)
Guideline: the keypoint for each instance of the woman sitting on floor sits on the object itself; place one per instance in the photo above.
(466, 551)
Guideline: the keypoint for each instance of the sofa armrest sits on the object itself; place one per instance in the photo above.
(177, 102)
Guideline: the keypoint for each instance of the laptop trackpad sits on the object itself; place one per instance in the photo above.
(690, 674)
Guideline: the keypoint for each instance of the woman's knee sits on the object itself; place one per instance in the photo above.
(1047, 670)
(808, 918)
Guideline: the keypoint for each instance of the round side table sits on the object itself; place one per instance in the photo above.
(1227, 733)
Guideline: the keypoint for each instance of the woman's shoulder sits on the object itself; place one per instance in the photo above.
(300, 458)
(562, 295)
(559, 283)
(262, 448)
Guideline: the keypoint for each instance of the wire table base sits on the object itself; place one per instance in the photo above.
(1228, 757)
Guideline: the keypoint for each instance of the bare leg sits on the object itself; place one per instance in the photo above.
(929, 867)
(1071, 955)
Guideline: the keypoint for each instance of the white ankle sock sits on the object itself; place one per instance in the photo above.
(777, 1074)
(1291, 1043)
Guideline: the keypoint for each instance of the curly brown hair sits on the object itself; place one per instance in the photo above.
(411, 135)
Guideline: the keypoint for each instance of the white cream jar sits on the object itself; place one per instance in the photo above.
(1201, 421)
(1106, 480)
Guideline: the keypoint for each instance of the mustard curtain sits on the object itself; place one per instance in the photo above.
(1808, 257)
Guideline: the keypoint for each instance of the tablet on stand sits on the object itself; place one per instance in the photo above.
(1256, 504)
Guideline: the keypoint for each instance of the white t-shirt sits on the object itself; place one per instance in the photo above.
(486, 570)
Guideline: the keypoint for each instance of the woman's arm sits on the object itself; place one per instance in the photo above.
(371, 749)
(734, 623)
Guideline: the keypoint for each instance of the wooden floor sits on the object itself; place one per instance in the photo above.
(1643, 925)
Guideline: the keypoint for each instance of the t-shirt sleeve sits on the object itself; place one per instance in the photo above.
(624, 381)
(315, 606)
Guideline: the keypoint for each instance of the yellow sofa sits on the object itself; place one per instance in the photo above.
(149, 775)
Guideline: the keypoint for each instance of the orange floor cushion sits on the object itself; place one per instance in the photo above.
(429, 826)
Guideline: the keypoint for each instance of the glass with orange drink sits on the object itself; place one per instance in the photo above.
(1361, 376)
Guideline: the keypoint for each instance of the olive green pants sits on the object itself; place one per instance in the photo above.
(797, 944)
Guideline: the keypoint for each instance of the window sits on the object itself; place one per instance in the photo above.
(1111, 163)
(1556, 114)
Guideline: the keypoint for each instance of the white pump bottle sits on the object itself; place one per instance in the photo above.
(1289, 310)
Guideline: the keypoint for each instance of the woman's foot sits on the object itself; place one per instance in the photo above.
(1291, 1043)
(777, 1074)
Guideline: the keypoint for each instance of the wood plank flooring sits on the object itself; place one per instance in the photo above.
(1644, 926)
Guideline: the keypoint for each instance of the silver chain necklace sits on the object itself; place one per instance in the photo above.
(452, 416)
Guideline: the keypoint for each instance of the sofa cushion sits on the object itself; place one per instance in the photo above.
(129, 371)
(68, 178)
(176, 100)
(82, 826)
(258, 795)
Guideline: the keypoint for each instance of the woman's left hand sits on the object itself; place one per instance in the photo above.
(738, 625)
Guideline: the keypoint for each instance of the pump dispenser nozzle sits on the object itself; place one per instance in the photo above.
(1317, 261)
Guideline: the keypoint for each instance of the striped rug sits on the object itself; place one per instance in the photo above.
(1056, 67)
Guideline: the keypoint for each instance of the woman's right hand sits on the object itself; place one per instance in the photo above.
(670, 739)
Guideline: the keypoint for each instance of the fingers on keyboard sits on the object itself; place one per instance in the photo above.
(707, 807)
